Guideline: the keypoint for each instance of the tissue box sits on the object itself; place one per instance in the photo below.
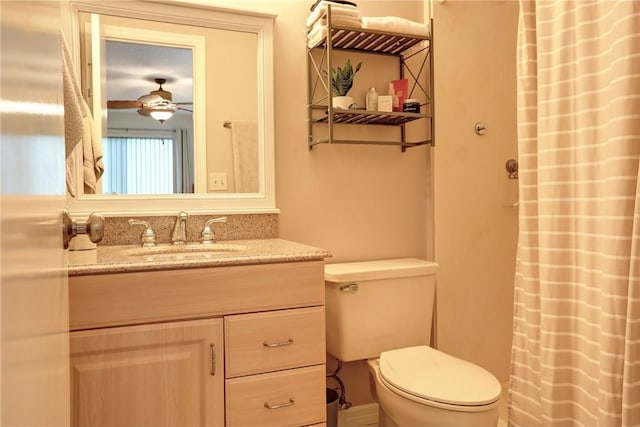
(385, 103)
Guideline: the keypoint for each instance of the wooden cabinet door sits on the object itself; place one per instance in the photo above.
(168, 374)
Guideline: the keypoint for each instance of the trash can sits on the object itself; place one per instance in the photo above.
(332, 408)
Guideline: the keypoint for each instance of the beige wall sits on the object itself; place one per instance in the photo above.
(366, 202)
(360, 202)
(476, 233)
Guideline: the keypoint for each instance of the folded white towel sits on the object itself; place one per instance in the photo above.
(395, 24)
(319, 29)
(316, 36)
(342, 10)
(339, 20)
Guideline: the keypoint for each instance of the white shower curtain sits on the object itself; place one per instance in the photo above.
(576, 345)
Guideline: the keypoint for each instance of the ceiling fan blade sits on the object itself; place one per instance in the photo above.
(182, 103)
(184, 109)
(115, 105)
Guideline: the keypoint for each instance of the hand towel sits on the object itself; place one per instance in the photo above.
(244, 146)
(78, 129)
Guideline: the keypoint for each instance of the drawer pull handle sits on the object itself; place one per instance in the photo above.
(351, 288)
(213, 359)
(280, 405)
(277, 344)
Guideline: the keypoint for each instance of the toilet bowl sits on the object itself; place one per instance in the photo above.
(381, 312)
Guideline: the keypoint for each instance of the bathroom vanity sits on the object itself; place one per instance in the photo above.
(198, 339)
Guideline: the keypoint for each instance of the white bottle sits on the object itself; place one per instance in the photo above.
(372, 99)
(394, 98)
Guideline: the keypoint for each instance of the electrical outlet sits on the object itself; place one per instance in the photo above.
(217, 181)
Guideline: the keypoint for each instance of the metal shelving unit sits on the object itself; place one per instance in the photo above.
(322, 115)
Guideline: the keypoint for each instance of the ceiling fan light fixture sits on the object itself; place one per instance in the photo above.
(161, 114)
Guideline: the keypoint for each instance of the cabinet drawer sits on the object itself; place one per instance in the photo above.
(263, 342)
(145, 297)
(287, 398)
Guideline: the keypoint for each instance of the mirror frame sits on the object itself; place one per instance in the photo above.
(187, 13)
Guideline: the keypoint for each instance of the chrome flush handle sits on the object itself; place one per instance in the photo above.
(351, 288)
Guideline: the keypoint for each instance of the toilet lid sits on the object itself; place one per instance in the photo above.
(430, 374)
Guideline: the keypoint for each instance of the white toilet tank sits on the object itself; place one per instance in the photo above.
(376, 306)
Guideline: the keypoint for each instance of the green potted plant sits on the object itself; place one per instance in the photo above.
(341, 83)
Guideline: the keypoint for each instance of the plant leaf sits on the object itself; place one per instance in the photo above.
(342, 78)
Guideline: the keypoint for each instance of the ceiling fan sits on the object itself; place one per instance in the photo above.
(157, 104)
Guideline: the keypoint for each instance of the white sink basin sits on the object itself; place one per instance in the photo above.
(192, 248)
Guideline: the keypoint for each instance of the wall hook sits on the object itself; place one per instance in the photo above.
(481, 128)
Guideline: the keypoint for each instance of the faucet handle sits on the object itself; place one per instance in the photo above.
(148, 237)
(207, 237)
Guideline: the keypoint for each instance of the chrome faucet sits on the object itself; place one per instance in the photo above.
(207, 237)
(179, 232)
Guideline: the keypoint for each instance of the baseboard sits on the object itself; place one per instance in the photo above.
(359, 416)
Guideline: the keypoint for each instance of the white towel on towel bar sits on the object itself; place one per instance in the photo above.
(244, 145)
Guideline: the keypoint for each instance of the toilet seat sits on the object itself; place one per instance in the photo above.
(430, 375)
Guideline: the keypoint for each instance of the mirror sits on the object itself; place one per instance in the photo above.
(214, 151)
(135, 74)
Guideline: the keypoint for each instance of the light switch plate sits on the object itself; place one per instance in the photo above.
(217, 181)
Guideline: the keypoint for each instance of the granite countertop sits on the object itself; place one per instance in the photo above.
(114, 259)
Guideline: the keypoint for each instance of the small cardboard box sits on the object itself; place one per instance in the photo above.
(385, 103)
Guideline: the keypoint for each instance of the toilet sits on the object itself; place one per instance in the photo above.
(381, 312)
